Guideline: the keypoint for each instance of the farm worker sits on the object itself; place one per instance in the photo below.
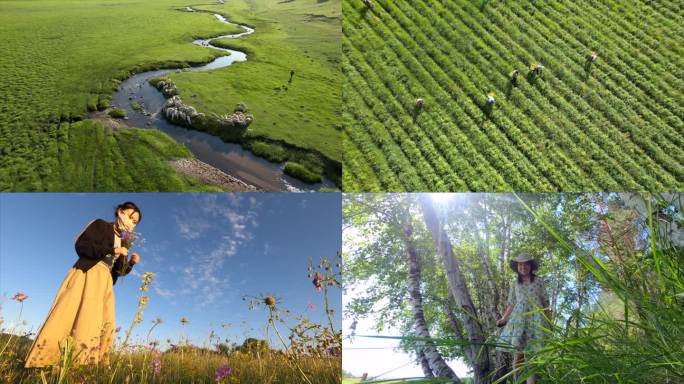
(523, 320)
(84, 306)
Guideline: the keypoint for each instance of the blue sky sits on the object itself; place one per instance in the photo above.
(208, 251)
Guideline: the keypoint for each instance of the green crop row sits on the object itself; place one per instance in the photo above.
(417, 73)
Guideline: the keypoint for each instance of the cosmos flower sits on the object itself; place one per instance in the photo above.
(156, 364)
(20, 297)
(311, 306)
(222, 372)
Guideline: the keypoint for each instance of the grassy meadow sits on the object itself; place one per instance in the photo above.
(61, 58)
(512, 96)
(312, 354)
(301, 36)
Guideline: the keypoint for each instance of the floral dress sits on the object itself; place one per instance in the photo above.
(524, 328)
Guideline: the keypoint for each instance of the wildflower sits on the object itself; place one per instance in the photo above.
(317, 280)
(222, 372)
(270, 301)
(96, 348)
(20, 297)
(157, 321)
(156, 364)
(311, 305)
(117, 330)
(184, 320)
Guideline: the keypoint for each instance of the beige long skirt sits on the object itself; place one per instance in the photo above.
(83, 310)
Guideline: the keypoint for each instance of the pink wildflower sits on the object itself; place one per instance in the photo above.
(20, 297)
(222, 372)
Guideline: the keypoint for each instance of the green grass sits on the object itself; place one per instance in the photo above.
(54, 71)
(302, 172)
(85, 156)
(117, 113)
(615, 124)
(307, 358)
(271, 152)
(189, 367)
(304, 113)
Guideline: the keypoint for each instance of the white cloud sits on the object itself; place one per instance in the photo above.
(191, 227)
(234, 218)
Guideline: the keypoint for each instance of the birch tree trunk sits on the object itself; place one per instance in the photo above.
(476, 351)
(435, 361)
(427, 371)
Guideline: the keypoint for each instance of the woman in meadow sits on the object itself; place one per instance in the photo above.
(82, 314)
(523, 320)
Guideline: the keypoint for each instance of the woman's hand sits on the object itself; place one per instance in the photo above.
(501, 322)
(121, 251)
(135, 258)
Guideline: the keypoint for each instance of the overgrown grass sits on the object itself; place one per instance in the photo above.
(117, 113)
(271, 152)
(301, 172)
(190, 367)
(136, 106)
(644, 344)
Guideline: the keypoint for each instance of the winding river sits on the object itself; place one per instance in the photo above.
(228, 157)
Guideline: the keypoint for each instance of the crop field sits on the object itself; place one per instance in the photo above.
(431, 103)
(53, 72)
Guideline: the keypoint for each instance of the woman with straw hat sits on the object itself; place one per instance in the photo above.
(523, 319)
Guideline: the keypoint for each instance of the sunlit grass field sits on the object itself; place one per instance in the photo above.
(312, 354)
(61, 56)
(303, 36)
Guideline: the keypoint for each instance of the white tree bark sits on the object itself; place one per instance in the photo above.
(476, 351)
(434, 359)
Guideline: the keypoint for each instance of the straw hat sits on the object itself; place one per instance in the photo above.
(523, 258)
